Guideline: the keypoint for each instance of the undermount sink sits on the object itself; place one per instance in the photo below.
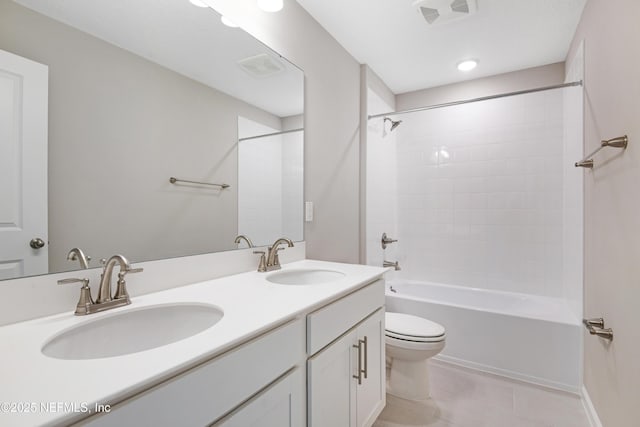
(304, 277)
(132, 331)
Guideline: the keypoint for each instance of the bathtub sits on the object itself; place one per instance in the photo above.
(526, 337)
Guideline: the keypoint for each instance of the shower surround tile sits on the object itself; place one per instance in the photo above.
(489, 172)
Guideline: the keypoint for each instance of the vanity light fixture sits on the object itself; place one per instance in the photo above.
(228, 22)
(467, 65)
(270, 5)
(198, 3)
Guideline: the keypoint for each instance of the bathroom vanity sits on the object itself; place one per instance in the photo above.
(300, 346)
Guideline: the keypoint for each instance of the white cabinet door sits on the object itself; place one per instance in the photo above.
(336, 396)
(23, 166)
(331, 385)
(280, 405)
(371, 393)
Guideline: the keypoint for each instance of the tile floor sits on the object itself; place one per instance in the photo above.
(468, 398)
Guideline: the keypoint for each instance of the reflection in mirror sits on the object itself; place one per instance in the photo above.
(102, 102)
(270, 190)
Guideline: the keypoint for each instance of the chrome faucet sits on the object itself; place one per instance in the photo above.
(104, 291)
(272, 261)
(105, 300)
(76, 254)
(245, 238)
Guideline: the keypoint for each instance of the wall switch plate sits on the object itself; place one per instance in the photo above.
(308, 211)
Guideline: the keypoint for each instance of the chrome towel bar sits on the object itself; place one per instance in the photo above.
(175, 180)
(619, 142)
(595, 326)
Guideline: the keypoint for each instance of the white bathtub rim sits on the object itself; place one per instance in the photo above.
(592, 414)
(569, 320)
(515, 376)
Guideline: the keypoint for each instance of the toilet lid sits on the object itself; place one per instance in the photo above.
(400, 325)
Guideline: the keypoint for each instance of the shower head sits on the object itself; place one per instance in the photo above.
(394, 123)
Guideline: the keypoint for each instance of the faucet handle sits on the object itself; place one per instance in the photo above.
(262, 266)
(85, 282)
(121, 289)
(85, 302)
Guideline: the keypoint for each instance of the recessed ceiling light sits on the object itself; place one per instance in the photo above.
(467, 65)
(228, 22)
(270, 5)
(198, 3)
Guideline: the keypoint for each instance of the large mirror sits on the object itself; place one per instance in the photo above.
(135, 93)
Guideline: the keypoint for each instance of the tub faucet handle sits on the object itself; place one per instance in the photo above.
(387, 240)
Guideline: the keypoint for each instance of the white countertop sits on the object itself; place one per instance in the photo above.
(251, 306)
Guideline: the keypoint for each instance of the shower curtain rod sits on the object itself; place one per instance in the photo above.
(270, 134)
(483, 98)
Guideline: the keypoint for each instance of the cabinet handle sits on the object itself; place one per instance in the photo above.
(359, 376)
(366, 356)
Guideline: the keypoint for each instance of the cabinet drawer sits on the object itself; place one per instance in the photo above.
(331, 321)
(205, 393)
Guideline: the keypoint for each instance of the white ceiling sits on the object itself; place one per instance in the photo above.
(392, 37)
(187, 39)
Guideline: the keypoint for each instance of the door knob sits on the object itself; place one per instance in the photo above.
(36, 243)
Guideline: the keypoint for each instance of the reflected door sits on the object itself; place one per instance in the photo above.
(23, 166)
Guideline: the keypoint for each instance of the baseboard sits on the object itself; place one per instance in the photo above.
(594, 420)
(510, 374)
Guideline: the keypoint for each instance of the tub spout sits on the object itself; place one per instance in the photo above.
(395, 265)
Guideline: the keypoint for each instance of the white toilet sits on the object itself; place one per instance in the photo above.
(410, 341)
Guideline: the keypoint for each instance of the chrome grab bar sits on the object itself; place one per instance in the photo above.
(595, 326)
(618, 142)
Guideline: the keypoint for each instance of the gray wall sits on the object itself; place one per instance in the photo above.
(119, 127)
(612, 207)
(332, 108)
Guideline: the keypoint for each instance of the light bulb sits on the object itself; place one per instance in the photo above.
(270, 5)
(228, 22)
(198, 3)
(467, 65)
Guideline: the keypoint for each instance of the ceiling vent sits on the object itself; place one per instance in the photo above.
(438, 12)
(261, 66)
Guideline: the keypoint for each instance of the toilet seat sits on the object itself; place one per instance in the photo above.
(408, 328)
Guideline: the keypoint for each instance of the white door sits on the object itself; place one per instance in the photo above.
(23, 166)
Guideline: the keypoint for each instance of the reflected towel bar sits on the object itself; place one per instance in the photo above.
(174, 180)
(619, 142)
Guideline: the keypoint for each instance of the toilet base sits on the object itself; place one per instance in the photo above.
(409, 379)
